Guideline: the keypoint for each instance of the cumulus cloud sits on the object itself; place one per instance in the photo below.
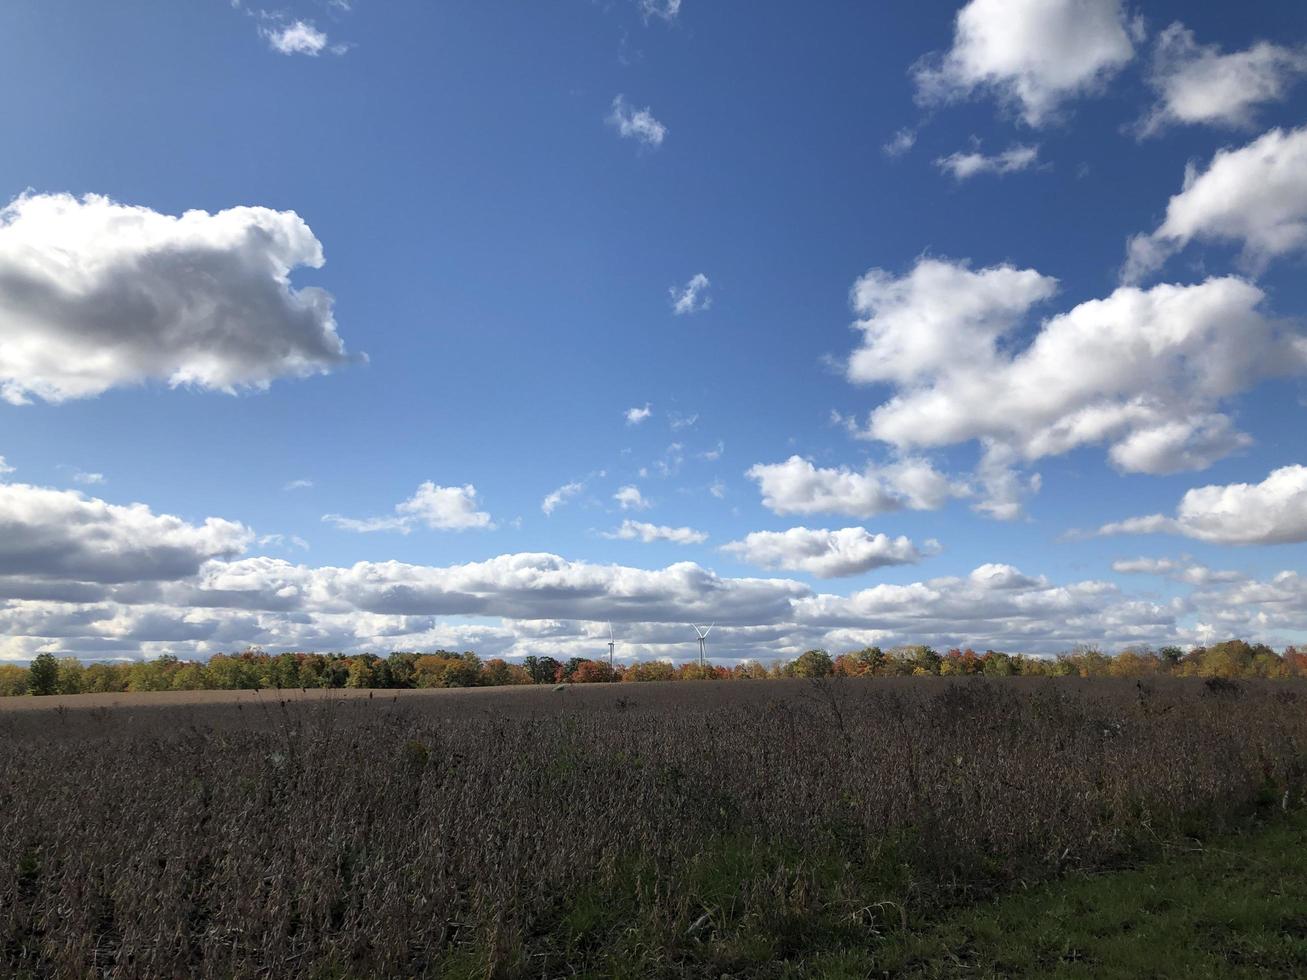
(1196, 83)
(634, 416)
(96, 295)
(636, 124)
(435, 507)
(297, 37)
(1271, 512)
(825, 553)
(649, 533)
(796, 486)
(1031, 54)
(1254, 197)
(547, 604)
(692, 297)
(1144, 371)
(556, 498)
(630, 498)
(963, 165)
(48, 534)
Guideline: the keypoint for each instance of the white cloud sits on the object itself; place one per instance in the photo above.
(649, 533)
(825, 553)
(678, 422)
(5, 467)
(714, 454)
(900, 143)
(634, 416)
(88, 479)
(1145, 371)
(1271, 512)
(283, 541)
(96, 295)
(446, 508)
(1198, 84)
(556, 498)
(963, 165)
(692, 297)
(630, 498)
(637, 124)
(297, 37)
(298, 485)
(436, 507)
(1033, 54)
(664, 9)
(1183, 570)
(796, 486)
(1255, 196)
(48, 535)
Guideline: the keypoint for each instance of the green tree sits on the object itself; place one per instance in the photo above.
(812, 663)
(71, 676)
(43, 674)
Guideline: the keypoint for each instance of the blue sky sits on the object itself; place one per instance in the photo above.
(509, 196)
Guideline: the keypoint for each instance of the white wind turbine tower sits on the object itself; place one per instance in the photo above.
(612, 644)
(702, 632)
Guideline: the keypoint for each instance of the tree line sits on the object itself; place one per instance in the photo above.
(256, 670)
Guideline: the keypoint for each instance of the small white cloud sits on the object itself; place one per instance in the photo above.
(630, 498)
(692, 297)
(718, 489)
(797, 487)
(825, 553)
(649, 533)
(714, 454)
(637, 124)
(1198, 84)
(678, 422)
(1182, 570)
(634, 416)
(663, 9)
(1033, 54)
(436, 507)
(446, 508)
(297, 37)
(283, 541)
(88, 479)
(964, 165)
(5, 467)
(900, 143)
(298, 485)
(556, 498)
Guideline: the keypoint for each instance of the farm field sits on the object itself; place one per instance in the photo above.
(777, 828)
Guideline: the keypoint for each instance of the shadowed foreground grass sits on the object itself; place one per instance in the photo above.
(1231, 907)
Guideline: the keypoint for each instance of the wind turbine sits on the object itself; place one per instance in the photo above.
(702, 633)
(612, 644)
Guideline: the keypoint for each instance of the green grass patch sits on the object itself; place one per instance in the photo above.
(1234, 907)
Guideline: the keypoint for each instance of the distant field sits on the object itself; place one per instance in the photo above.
(165, 711)
(688, 829)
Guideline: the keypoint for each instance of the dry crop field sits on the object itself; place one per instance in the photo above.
(746, 829)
